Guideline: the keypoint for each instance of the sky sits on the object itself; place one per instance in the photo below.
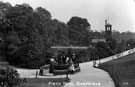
(119, 13)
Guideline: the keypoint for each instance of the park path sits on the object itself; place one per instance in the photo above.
(94, 77)
(88, 77)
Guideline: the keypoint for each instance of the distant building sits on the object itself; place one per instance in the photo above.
(108, 29)
(68, 47)
(57, 49)
(96, 41)
(108, 34)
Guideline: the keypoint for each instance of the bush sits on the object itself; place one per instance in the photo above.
(9, 77)
(83, 56)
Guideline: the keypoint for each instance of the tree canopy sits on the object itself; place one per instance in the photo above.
(28, 33)
(78, 31)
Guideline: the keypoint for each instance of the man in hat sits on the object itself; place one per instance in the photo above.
(74, 58)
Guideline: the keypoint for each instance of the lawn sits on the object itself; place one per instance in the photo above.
(44, 82)
(122, 70)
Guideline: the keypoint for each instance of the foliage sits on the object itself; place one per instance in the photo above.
(9, 77)
(83, 56)
(78, 31)
(28, 34)
(31, 54)
(92, 54)
(60, 33)
(23, 42)
(121, 47)
(103, 50)
(119, 36)
(111, 43)
(130, 43)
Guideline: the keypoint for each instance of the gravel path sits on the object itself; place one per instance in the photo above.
(94, 77)
(90, 77)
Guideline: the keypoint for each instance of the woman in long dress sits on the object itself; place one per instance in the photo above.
(52, 62)
(71, 68)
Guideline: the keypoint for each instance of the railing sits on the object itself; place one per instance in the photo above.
(118, 55)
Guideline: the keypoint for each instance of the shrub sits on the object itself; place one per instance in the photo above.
(9, 77)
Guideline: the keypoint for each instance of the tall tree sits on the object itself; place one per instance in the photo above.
(78, 28)
(23, 41)
(61, 33)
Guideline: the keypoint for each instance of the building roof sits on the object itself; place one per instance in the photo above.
(108, 24)
(68, 47)
(98, 40)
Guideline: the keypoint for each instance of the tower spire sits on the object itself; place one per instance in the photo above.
(105, 22)
(108, 19)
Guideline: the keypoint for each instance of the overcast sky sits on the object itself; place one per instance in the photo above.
(121, 13)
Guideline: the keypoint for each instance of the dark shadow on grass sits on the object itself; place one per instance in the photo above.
(121, 70)
(45, 82)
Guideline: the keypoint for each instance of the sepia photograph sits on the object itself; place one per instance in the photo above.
(67, 43)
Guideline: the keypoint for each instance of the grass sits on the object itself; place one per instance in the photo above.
(44, 82)
(121, 70)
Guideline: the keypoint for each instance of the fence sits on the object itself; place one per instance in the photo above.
(118, 55)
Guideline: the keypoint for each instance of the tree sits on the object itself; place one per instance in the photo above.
(43, 12)
(121, 46)
(103, 50)
(42, 19)
(23, 41)
(122, 36)
(44, 25)
(130, 43)
(29, 55)
(61, 33)
(4, 23)
(111, 43)
(78, 28)
(19, 17)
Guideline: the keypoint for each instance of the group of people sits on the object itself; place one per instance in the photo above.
(64, 59)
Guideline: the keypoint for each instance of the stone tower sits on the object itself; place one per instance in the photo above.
(108, 29)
